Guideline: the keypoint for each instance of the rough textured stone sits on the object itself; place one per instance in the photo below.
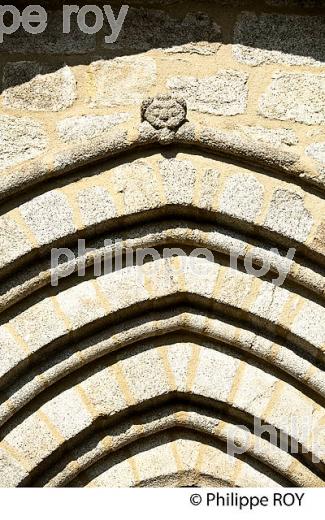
(48, 216)
(68, 413)
(288, 216)
(310, 324)
(242, 197)
(104, 392)
(82, 306)
(274, 38)
(22, 438)
(125, 80)
(297, 97)
(138, 186)
(179, 179)
(255, 390)
(96, 205)
(106, 353)
(13, 241)
(10, 352)
(317, 152)
(274, 136)
(37, 87)
(144, 30)
(225, 93)
(20, 139)
(208, 381)
(52, 40)
(164, 111)
(302, 4)
(35, 331)
(88, 127)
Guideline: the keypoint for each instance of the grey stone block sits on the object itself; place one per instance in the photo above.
(224, 93)
(87, 127)
(123, 81)
(32, 86)
(296, 97)
(277, 38)
(145, 29)
(21, 139)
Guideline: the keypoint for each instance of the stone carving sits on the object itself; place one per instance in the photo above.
(165, 113)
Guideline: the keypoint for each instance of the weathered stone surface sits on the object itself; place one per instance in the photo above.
(288, 216)
(40, 324)
(48, 215)
(277, 38)
(178, 179)
(125, 80)
(317, 152)
(225, 93)
(20, 139)
(88, 127)
(96, 205)
(274, 136)
(137, 185)
(95, 347)
(242, 197)
(13, 241)
(32, 86)
(143, 30)
(52, 40)
(304, 4)
(164, 111)
(297, 97)
(10, 351)
(305, 324)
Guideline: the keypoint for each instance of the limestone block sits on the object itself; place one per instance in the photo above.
(310, 324)
(274, 136)
(154, 461)
(269, 301)
(11, 472)
(119, 474)
(82, 306)
(317, 152)
(209, 189)
(179, 356)
(255, 390)
(145, 367)
(10, 351)
(23, 437)
(119, 288)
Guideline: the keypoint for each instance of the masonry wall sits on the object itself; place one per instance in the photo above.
(141, 376)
